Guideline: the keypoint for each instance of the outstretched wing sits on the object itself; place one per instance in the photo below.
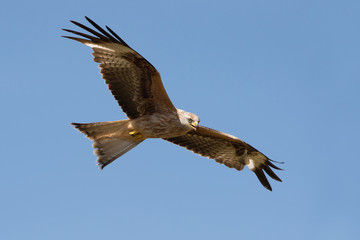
(133, 81)
(228, 150)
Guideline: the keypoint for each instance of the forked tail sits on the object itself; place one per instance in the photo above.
(111, 139)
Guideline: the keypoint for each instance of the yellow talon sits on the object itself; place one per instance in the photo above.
(135, 134)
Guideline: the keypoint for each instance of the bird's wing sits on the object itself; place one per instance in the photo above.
(228, 150)
(133, 81)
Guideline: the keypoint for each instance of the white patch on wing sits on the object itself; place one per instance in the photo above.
(251, 164)
(110, 47)
(93, 45)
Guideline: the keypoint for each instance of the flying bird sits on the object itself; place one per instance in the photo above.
(137, 87)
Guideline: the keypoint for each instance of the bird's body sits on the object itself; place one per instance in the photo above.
(138, 88)
(160, 125)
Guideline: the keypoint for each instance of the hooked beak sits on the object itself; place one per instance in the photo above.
(194, 125)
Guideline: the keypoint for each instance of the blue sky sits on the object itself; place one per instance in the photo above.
(283, 76)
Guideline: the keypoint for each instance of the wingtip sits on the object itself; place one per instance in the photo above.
(260, 173)
(262, 178)
(270, 163)
(89, 20)
(74, 22)
(101, 166)
(83, 41)
(276, 161)
(76, 125)
(270, 172)
(268, 187)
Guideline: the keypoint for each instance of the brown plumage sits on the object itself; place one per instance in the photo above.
(228, 150)
(136, 85)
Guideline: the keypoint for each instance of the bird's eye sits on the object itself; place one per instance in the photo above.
(190, 120)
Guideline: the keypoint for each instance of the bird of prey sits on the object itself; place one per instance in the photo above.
(136, 85)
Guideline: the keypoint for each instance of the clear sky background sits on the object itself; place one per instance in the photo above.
(283, 76)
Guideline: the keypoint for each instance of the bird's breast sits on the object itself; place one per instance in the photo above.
(159, 126)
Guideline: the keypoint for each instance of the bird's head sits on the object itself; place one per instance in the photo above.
(188, 119)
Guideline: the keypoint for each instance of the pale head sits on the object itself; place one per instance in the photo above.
(189, 120)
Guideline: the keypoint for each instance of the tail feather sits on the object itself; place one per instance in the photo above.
(110, 148)
(100, 129)
(111, 139)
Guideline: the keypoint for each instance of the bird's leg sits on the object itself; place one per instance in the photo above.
(135, 134)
